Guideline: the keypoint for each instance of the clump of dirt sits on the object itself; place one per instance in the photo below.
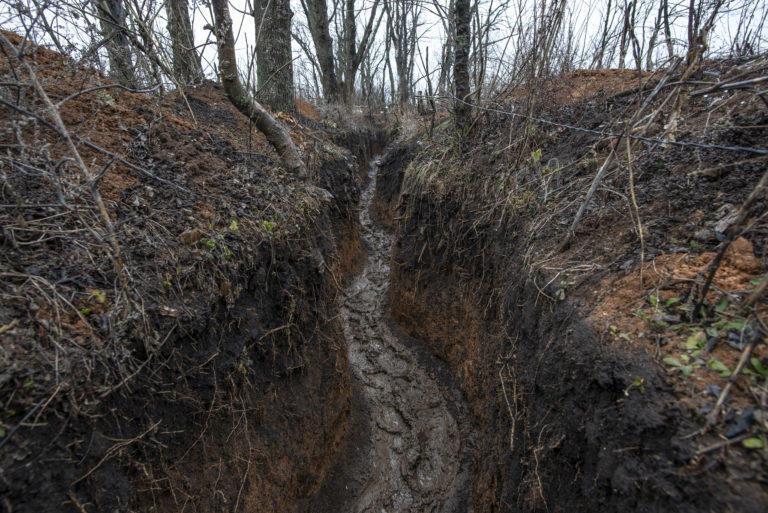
(206, 366)
(576, 407)
(584, 84)
(304, 108)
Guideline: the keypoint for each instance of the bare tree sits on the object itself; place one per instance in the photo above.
(111, 15)
(352, 51)
(274, 62)
(186, 61)
(402, 26)
(276, 134)
(317, 19)
(463, 17)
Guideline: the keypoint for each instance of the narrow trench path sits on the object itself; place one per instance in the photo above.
(414, 459)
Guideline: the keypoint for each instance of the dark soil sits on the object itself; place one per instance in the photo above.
(572, 407)
(406, 336)
(197, 385)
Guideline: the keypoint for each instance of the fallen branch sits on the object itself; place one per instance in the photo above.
(756, 294)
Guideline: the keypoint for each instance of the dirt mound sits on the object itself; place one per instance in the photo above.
(588, 386)
(583, 84)
(187, 371)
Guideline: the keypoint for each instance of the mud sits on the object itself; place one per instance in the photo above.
(412, 458)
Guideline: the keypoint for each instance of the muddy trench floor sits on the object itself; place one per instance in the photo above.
(409, 444)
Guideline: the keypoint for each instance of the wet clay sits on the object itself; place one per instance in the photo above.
(414, 453)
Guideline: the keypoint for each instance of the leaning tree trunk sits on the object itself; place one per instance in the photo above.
(112, 19)
(461, 63)
(274, 62)
(276, 134)
(186, 61)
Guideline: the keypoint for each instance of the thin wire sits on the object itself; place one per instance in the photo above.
(686, 144)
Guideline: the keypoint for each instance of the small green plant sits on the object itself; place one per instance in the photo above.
(105, 98)
(684, 364)
(756, 442)
(268, 225)
(696, 341)
(616, 333)
(759, 367)
(99, 295)
(696, 246)
(536, 155)
(233, 226)
(718, 366)
(638, 383)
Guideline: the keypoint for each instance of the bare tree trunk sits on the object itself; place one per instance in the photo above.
(186, 61)
(462, 16)
(317, 19)
(352, 52)
(598, 61)
(624, 33)
(349, 48)
(112, 18)
(402, 22)
(446, 57)
(668, 31)
(274, 61)
(652, 42)
(276, 134)
(388, 62)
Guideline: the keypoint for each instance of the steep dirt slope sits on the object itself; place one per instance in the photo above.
(558, 352)
(212, 373)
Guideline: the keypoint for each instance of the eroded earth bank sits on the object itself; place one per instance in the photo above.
(413, 458)
(410, 335)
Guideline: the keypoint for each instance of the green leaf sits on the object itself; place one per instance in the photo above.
(759, 367)
(754, 442)
(712, 332)
(233, 226)
(672, 361)
(671, 301)
(653, 300)
(696, 340)
(696, 246)
(100, 295)
(85, 311)
(717, 365)
(536, 155)
(722, 304)
(738, 324)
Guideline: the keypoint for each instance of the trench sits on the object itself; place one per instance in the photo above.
(412, 453)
